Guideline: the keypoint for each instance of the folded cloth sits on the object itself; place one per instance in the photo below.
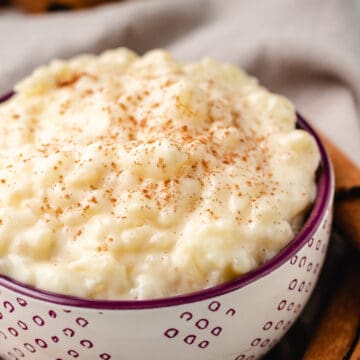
(306, 50)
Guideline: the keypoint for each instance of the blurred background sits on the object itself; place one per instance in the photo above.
(308, 50)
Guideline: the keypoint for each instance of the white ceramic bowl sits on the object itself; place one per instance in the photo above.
(240, 320)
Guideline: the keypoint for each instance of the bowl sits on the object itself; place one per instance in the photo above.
(239, 320)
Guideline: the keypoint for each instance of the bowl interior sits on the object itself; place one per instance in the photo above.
(323, 198)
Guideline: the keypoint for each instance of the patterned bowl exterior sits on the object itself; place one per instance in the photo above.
(240, 320)
(240, 325)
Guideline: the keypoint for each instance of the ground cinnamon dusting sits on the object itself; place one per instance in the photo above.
(164, 163)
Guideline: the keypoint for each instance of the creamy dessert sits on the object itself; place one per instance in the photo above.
(126, 177)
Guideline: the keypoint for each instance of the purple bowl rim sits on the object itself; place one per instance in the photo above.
(323, 198)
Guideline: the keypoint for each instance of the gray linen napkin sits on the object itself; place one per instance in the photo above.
(308, 50)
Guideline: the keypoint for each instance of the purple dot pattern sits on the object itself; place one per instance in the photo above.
(307, 262)
(204, 331)
(67, 333)
(267, 325)
(29, 327)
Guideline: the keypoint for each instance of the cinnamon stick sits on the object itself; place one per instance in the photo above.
(46, 5)
(347, 184)
(338, 327)
(356, 353)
